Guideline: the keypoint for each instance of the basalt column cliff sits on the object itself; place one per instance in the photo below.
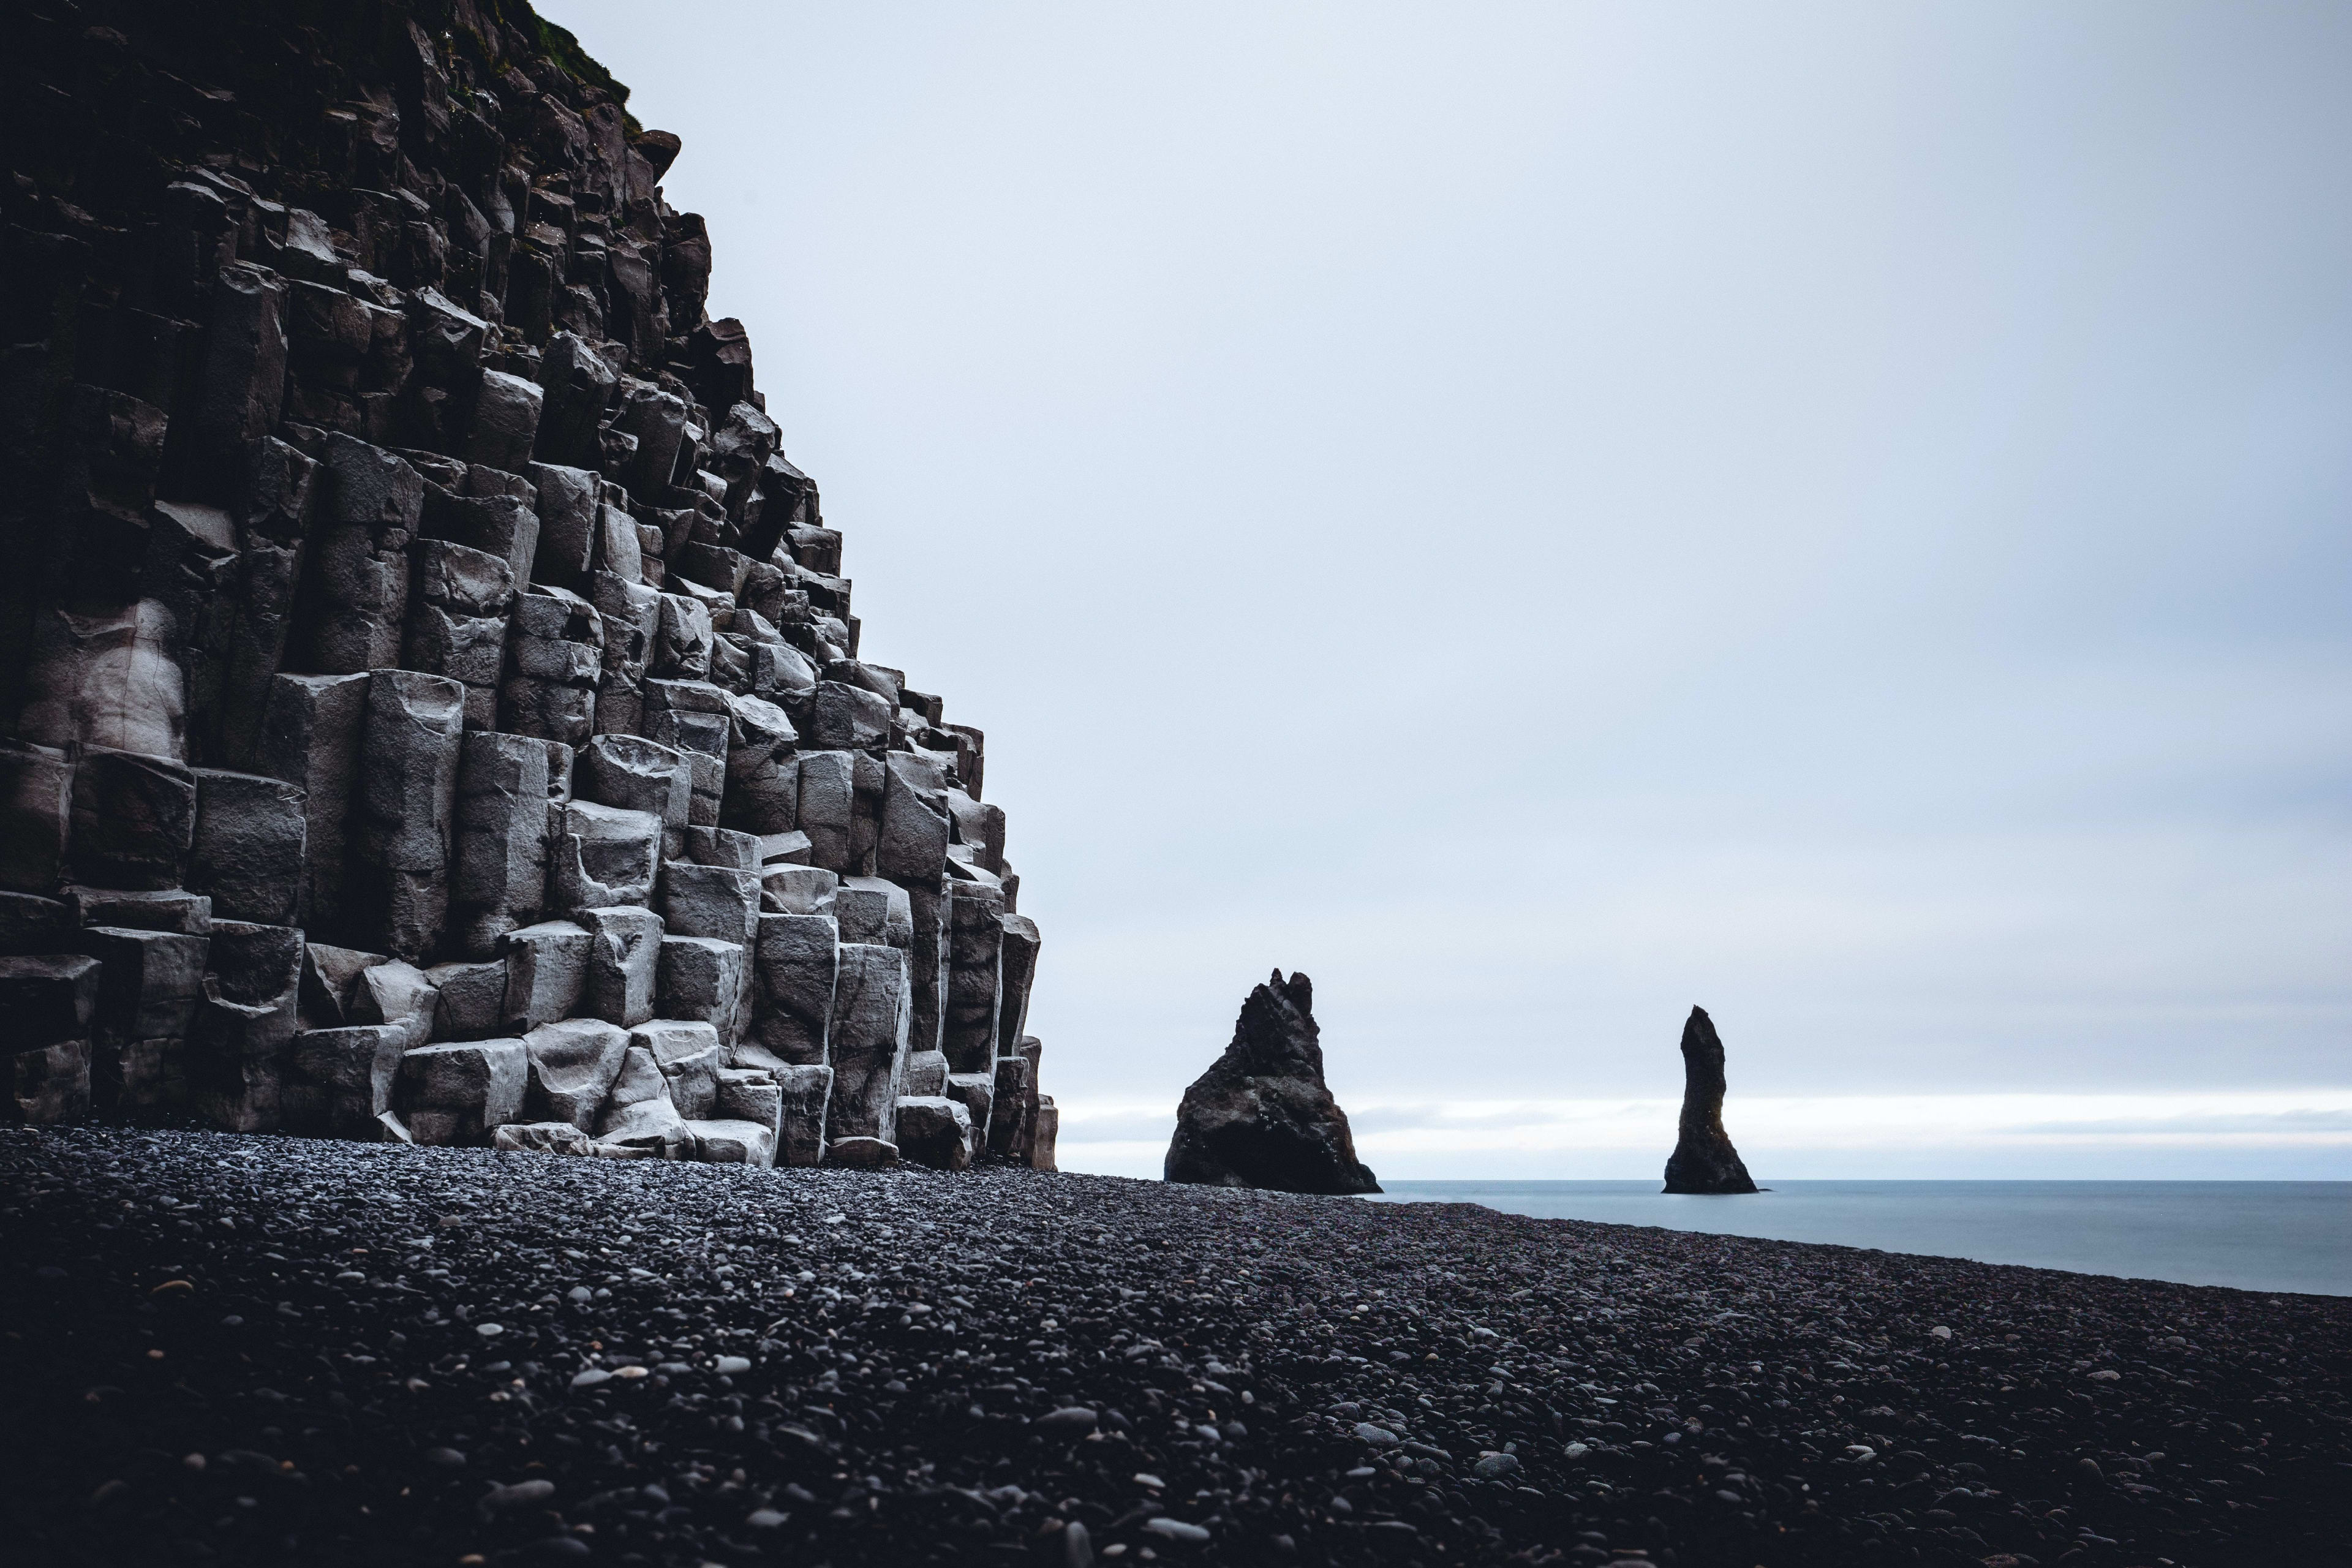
(435, 708)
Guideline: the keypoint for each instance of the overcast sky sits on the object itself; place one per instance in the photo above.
(1542, 514)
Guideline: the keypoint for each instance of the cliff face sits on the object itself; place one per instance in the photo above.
(434, 707)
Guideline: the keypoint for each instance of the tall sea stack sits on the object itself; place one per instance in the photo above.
(1261, 1117)
(1704, 1160)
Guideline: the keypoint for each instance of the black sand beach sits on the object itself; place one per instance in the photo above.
(246, 1350)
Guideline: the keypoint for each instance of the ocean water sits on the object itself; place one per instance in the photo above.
(2254, 1236)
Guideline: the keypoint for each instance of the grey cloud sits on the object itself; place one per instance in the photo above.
(1538, 523)
(2282, 1121)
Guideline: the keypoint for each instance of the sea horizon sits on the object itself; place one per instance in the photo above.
(2291, 1236)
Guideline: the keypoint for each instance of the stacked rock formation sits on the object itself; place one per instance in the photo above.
(435, 706)
(1262, 1116)
(1704, 1160)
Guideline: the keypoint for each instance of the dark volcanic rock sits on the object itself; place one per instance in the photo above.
(1704, 1160)
(1260, 1117)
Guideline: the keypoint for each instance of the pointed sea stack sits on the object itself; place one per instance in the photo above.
(1261, 1117)
(1704, 1160)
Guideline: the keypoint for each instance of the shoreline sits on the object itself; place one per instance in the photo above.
(2263, 1237)
(881, 1357)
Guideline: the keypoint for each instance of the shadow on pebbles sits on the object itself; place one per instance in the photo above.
(261, 1350)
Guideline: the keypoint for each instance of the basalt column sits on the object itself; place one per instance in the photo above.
(431, 703)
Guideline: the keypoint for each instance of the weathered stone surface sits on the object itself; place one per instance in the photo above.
(630, 772)
(805, 1095)
(789, 889)
(913, 847)
(555, 658)
(395, 993)
(934, 1131)
(242, 377)
(249, 847)
(868, 1043)
(30, 925)
(257, 605)
(567, 525)
(623, 964)
(975, 976)
(455, 1093)
(762, 790)
(723, 847)
(36, 813)
(796, 961)
(690, 1054)
(792, 849)
(507, 411)
(1019, 972)
(133, 820)
(631, 612)
(639, 1113)
(858, 1152)
(404, 811)
(979, 826)
(826, 807)
(601, 857)
(457, 624)
(682, 640)
(547, 974)
(541, 1137)
(49, 998)
(499, 859)
(471, 999)
(717, 902)
(49, 1085)
(339, 1082)
(694, 717)
(488, 510)
(929, 955)
(330, 976)
(847, 718)
(166, 909)
(1261, 1116)
(704, 978)
(310, 739)
(1704, 1160)
(570, 1067)
(575, 383)
(730, 1142)
(248, 1015)
(152, 985)
(1044, 1134)
(976, 1092)
(1012, 1112)
(356, 596)
(658, 419)
(927, 1072)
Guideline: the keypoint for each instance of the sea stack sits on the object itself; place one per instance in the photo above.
(1704, 1160)
(1261, 1117)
